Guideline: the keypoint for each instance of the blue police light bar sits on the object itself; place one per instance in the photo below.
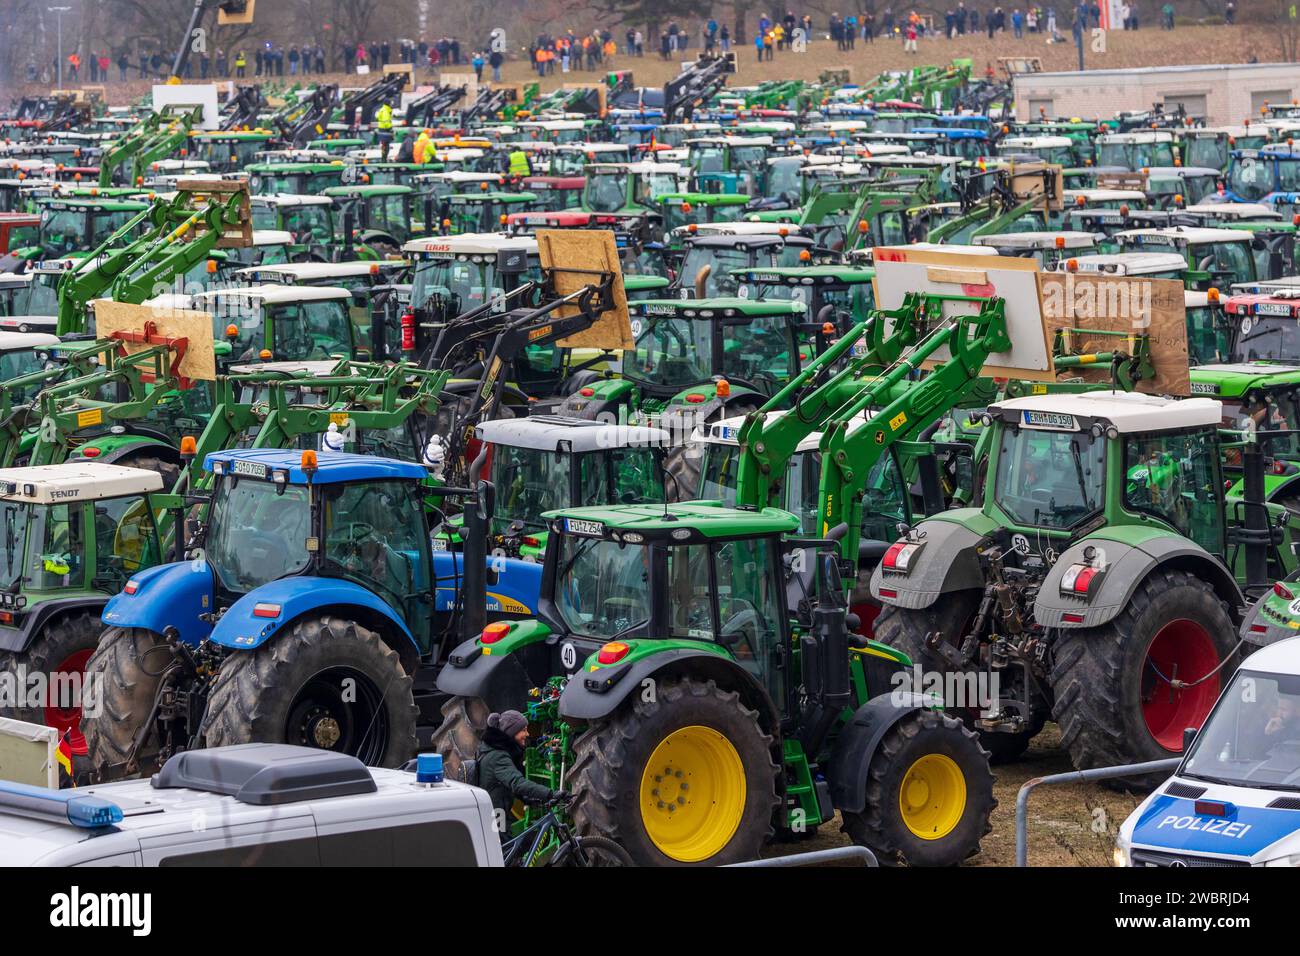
(58, 806)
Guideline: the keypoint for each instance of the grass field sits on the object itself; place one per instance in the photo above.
(1149, 46)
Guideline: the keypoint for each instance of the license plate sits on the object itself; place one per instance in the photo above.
(591, 529)
(1273, 308)
(249, 469)
(1057, 420)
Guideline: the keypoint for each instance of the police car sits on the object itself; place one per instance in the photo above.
(255, 805)
(1235, 800)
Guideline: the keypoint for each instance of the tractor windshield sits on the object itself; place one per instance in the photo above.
(528, 482)
(452, 286)
(1175, 477)
(63, 231)
(1049, 479)
(671, 352)
(19, 362)
(719, 261)
(606, 191)
(1250, 179)
(1266, 339)
(375, 534)
(301, 331)
(257, 535)
(1252, 737)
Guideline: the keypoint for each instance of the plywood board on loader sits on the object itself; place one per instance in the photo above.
(1121, 304)
(901, 269)
(587, 251)
(235, 235)
(199, 361)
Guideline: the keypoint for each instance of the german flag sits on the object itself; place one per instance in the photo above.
(64, 755)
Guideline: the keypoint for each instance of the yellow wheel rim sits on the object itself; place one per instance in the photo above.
(932, 796)
(692, 794)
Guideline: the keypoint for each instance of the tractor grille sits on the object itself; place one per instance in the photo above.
(1184, 790)
(1285, 803)
(1156, 858)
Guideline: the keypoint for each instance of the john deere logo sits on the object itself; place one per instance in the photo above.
(880, 438)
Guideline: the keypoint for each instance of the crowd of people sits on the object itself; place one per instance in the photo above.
(568, 51)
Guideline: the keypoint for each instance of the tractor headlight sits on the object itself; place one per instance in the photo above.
(218, 468)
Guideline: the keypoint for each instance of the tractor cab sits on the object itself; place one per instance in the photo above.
(29, 300)
(19, 231)
(848, 291)
(554, 193)
(481, 211)
(1053, 150)
(309, 220)
(1172, 187)
(1138, 150)
(714, 253)
(375, 216)
(1259, 396)
(571, 159)
(299, 179)
(1214, 257)
(544, 462)
(1212, 147)
(682, 210)
(24, 354)
(1264, 326)
(281, 322)
(70, 225)
(228, 151)
(630, 187)
(1256, 174)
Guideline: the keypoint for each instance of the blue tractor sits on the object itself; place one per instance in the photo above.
(311, 610)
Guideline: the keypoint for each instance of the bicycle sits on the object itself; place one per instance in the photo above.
(550, 841)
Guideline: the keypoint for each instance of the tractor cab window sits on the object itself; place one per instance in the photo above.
(309, 224)
(1227, 262)
(1250, 179)
(1049, 479)
(1175, 477)
(606, 192)
(529, 481)
(885, 504)
(720, 261)
(1252, 738)
(19, 362)
(311, 330)
(1264, 338)
(237, 320)
(256, 535)
(602, 588)
(375, 534)
(42, 546)
(620, 476)
(1207, 340)
(750, 619)
(672, 352)
(760, 349)
(125, 540)
(63, 231)
(650, 185)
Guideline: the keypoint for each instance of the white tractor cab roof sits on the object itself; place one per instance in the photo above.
(642, 167)
(1127, 412)
(1072, 196)
(1181, 236)
(590, 147)
(550, 432)
(552, 125)
(290, 200)
(1124, 263)
(911, 160)
(866, 256)
(740, 228)
(1137, 137)
(460, 176)
(1009, 144)
(884, 149)
(729, 139)
(14, 341)
(472, 244)
(308, 273)
(726, 431)
(1193, 299)
(75, 481)
(261, 802)
(837, 126)
(273, 294)
(1014, 242)
(1238, 211)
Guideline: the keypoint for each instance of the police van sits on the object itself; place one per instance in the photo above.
(1235, 799)
(255, 805)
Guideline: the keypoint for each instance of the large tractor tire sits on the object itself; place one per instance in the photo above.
(1113, 700)
(684, 461)
(457, 738)
(951, 616)
(326, 682)
(145, 459)
(123, 675)
(688, 778)
(60, 652)
(929, 794)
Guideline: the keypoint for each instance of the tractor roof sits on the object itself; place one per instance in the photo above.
(316, 271)
(1126, 263)
(549, 432)
(332, 467)
(716, 308)
(1188, 234)
(1050, 239)
(1128, 412)
(680, 523)
(75, 481)
(287, 200)
(19, 341)
(275, 294)
(1235, 210)
(1283, 302)
(472, 243)
(807, 275)
(1104, 195)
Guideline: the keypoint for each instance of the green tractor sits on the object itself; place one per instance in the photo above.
(1099, 583)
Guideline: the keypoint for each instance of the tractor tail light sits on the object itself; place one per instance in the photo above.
(899, 556)
(1078, 579)
(1282, 591)
(266, 610)
(494, 632)
(532, 541)
(612, 653)
(90, 451)
(1072, 618)
(586, 391)
(408, 332)
(131, 587)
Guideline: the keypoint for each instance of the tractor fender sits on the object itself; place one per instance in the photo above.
(17, 639)
(130, 444)
(1126, 566)
(370, 236)
(241, 629)
(856, 744)
(1272, 633)
(593, 693)
(500, 679)
(610, 395)
(945, 563)
(166, 596)
(514, 592)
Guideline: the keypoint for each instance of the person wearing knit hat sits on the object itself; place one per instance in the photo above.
(500, 767)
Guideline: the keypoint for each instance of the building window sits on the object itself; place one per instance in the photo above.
(1192, 103)
(1039, 106)
(1262, 98)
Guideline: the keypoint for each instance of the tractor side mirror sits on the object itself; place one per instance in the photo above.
(1189, 735)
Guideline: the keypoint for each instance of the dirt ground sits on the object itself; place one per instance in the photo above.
(1069, 824)
(1148, 46)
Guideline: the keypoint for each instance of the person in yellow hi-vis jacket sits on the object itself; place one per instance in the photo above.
(384, 126)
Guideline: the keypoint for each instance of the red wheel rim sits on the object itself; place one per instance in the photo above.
(68, 719)
(1181, 650)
